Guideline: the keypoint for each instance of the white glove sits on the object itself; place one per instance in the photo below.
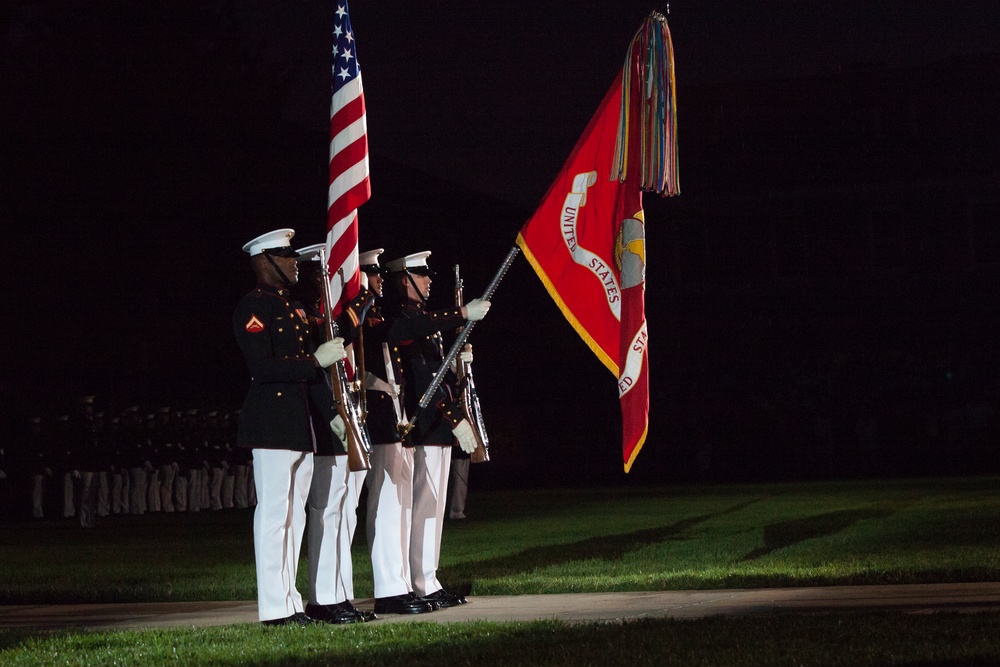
(330, 352)
(465, 435)
(339, 428)
(76, 474)
(466, 354)
(476, 310)
(364, 279)
(3, 475)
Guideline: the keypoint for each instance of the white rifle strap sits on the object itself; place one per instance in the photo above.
(390, 373)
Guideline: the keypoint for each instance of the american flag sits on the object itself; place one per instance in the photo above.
(349, 184)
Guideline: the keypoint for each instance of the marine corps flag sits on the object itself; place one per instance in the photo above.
(586, 241)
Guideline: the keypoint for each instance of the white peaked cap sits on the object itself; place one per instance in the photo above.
(279, 238)
(416, 262)
(370, 258)
(311, 252)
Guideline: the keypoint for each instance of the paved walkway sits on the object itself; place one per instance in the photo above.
(572, 608)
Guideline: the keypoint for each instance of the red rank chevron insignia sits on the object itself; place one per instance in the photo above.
(254, 325)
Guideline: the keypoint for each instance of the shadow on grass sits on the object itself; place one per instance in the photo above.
(788, 533)
(604, 547)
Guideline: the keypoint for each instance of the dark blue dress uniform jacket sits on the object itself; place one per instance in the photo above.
(382, 420)
(415, 341)
(289, 404)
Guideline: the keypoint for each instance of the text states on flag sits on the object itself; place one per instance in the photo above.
(633, 362)
(575, 200)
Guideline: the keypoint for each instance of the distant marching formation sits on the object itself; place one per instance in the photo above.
(164, 461)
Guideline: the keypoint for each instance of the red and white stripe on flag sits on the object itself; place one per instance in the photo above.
(586, 242)
(349, 182)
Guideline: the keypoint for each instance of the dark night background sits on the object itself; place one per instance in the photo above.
(820, 297)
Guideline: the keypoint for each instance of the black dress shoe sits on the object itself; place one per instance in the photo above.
(363, 616)
(403, 604)
(335, 614)
(443, 598)
(299, 619)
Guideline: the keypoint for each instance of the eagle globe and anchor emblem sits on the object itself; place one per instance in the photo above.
(630, 251)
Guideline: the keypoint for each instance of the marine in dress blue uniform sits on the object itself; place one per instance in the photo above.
(414, 336)
(333, 497)
(285, 419)
(390, 481)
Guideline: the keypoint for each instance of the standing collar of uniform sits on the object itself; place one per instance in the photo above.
(412, 304)
(273, 291)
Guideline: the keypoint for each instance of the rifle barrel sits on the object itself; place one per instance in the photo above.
(463, 335)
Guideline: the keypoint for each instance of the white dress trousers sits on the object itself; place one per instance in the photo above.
(326, 509)
(348, 526)
(430, 489)
(390, 505)
(282, 478)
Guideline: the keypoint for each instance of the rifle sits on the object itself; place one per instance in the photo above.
(468, 398)
(425, 400)
(358, 445)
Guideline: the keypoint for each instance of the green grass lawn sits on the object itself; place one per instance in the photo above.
(560, 542)
(904, 531)
(842, 639)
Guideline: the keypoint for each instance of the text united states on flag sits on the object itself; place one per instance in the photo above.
(349, 184)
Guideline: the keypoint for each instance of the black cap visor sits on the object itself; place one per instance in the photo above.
(285, 251)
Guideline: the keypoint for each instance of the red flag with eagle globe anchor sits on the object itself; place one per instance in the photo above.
(586, 240)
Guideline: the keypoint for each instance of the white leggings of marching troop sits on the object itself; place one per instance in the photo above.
(458, 487)
(390, 505)
(216, 477)
(37, 496)
(137, 490)
(282, 478)
(194, 489)
(326, 509)
(167, 475)
(69, 495)
(103, 493)
(430, 487)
